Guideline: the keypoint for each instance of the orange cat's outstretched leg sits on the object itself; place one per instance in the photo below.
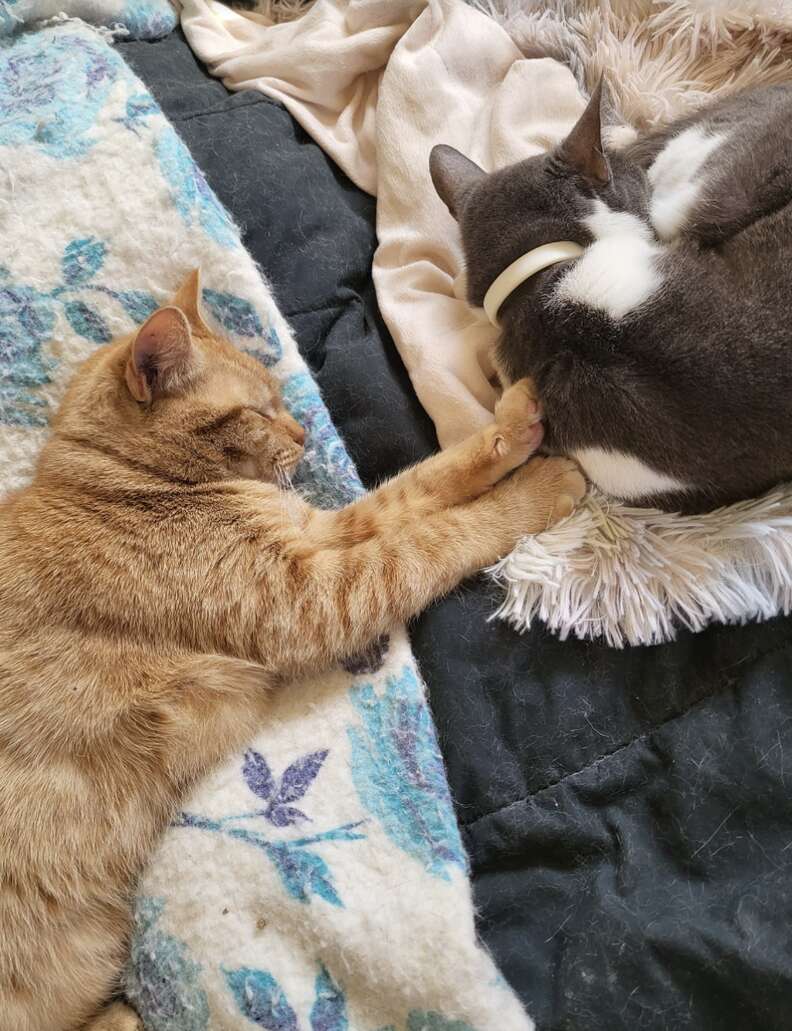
(118, 1017)
(453, 477)
(350, 587)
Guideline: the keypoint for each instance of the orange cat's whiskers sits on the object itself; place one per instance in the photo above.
(283, 477)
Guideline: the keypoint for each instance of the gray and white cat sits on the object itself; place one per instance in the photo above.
(662, 355)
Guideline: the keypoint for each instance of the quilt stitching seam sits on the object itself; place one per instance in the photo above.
(175, 119)
(727, 682)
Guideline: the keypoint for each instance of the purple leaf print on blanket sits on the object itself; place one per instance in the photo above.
(299, 776)
(303, 873)
(296, 779)
(258, 775)
(285, 815)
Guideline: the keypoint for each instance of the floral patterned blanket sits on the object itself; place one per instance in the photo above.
(316, 882)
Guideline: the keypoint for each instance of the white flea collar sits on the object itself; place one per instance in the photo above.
(523, 268)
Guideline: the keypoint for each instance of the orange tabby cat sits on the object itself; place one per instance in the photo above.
(155, 586)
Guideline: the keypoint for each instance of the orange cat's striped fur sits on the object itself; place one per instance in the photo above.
(155, 587)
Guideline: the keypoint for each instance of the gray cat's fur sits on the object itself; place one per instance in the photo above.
(696, 381)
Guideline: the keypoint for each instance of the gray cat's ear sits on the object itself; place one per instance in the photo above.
(162, 355)
(453, 176)
(582, 149)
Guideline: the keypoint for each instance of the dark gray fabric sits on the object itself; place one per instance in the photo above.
(627, 814)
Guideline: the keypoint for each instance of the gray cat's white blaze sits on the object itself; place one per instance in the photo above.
(619, 271)
(676, 180)
(624, 476)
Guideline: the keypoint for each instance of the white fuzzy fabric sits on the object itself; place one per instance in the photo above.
(318, 883)
(634, 576)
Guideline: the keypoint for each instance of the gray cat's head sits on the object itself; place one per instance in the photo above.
(541, 200)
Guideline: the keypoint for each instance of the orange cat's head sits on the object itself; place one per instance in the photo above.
(177, 398)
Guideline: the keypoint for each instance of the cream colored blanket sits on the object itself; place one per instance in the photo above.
(377, 83)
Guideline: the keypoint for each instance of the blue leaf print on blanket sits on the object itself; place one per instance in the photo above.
(142, 19)
(304, 874)
(239, 317)
(27, 319)
(87, 322)
(191, 194)
(398, 772)
(233, 313)
(147, 19)
(274, 350)
(137, 304)
(260, 998)
(82, 259)
(50, 95)
(326, 476)
(160, 977)
(139, 108)
(329, 1010)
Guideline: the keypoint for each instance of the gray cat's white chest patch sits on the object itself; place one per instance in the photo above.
(619, 271)
(677, 178)
(624, 476)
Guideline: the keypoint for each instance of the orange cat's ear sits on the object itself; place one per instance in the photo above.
(188, 300)
(162, 355)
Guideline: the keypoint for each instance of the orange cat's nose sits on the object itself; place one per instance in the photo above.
(293, 428)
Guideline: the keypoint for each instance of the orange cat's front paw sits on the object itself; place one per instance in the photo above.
(518, 417)
(117, 1017)
(571, 488)
(539, 494)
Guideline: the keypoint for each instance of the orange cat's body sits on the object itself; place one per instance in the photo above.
(152, 593)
